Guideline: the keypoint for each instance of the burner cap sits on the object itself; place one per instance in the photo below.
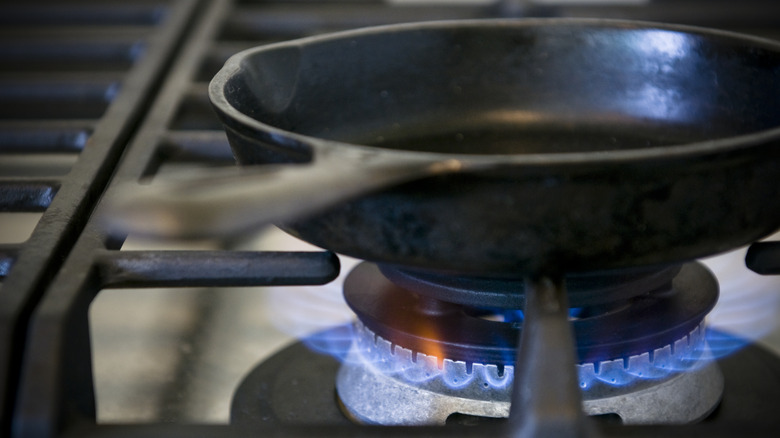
(584, 289)
(616, 330)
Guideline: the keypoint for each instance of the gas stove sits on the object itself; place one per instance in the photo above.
(106, 335)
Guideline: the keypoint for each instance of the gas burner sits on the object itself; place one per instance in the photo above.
(419, 389)
(642, 356)
(604, 331)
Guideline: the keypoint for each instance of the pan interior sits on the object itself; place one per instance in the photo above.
(514, 89)
(523, 137)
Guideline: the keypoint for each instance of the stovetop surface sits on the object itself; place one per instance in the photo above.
(82, 83)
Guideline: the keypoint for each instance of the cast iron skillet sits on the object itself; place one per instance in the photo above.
(509, 147)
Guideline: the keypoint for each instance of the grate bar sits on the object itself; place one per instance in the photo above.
(69, 136)
(701, 430)
(288, 21)
(195, 112)
(84, 14)
(8, 254)
(86, 97)
(63, 53)
(26, 195)
(195, 146)
(764, 258)
(129, 269)
(717, 13)
(216, 56)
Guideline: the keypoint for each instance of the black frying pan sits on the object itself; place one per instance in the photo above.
(505, 147)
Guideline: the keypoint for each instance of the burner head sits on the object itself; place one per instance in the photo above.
(460, 358)
(584, 289)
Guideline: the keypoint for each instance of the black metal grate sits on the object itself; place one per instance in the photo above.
(78, 85)
(74, 80)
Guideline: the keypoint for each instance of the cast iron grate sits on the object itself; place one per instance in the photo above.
(74, 79)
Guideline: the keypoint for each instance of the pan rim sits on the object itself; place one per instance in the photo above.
(675, 151)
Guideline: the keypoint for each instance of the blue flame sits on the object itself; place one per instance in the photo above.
(336, 341)
(747, 310)
(378, 354)
(686, 354)
(748, 307)
(317, 315)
